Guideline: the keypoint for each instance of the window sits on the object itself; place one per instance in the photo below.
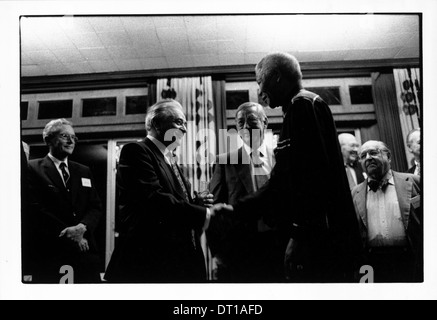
(235, 98)
(98, 107)
(361, 94)
(24, 107)
(55, 109)
(136, 104)
(331, 95)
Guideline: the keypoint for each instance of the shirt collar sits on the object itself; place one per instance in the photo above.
(388, 176)
(159, 145)
(262, 149)
(56, 161)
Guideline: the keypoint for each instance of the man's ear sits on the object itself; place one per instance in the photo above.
(47, 140)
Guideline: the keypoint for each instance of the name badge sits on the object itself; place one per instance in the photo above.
(86, 182)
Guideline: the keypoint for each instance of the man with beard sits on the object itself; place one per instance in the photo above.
(349, 149)
(390, 217)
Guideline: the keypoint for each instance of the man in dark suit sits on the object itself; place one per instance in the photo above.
(64, 211)
(414, 146)
(160, 225)
(390, 217)
(250, 252)
(349, 148)
(308, 193)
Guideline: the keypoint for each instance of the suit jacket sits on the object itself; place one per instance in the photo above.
(308, 192)
(408, 192)
(359, 172)
(231, 181)
(156, 222)
(412, 169)
(247, 254)
(53, 208)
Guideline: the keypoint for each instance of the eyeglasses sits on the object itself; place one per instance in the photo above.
(372, 153)
(66, 137)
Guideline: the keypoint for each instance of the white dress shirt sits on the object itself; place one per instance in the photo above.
(385, 225)
(57, 163)
(267, 160)
(167, 153)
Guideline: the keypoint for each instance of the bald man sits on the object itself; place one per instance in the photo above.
(390, 217)
(349, 149)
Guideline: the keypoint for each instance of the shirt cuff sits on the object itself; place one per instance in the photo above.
(207, 219)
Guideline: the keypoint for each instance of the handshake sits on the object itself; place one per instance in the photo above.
(221, 209)
(206, 199)
(219, 212)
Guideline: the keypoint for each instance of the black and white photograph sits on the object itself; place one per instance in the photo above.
(267, 152)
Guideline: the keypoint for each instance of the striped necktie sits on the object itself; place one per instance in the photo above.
(177, 173)
(175, 168)
(65, 175)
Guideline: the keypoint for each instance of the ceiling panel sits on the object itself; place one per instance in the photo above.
(52, 45)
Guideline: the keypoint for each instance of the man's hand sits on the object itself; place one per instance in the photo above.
(212, 212)
(74, 233)
(83, 245)
(221, 209)
(204, 199)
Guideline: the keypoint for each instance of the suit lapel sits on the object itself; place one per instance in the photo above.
(361, 202)
(52, 173)
(75, 180)
(166, 169)
(403, 188)
(244, 172)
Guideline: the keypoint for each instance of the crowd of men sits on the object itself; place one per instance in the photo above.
(314, 209)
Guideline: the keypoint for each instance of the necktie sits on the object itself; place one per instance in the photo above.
(374, 185)
(260, 179)
(260, 176)
(175, 168)
(65, 175)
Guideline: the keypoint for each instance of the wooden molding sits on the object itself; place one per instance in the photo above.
(141, 78)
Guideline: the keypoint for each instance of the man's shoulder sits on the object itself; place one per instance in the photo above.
(35, 163)
(78, 167)
(404, 176)
(137, 145)
(307, 100)
(306, 95)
